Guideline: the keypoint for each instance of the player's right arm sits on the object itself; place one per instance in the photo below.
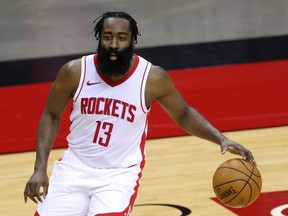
(60, 93)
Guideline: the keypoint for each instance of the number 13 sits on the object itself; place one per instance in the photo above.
(107, 130)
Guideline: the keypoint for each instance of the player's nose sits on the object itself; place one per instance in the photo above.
(114, 44)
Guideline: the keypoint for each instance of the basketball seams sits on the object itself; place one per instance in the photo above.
(245, 174)
(252, 173)
(231, 168)
(250, 194)
(238, 192)
(234, 180)
(253, 168)
(247, 182)
(241, 161)
(251, 191)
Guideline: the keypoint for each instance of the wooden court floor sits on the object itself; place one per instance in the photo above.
(178, 171)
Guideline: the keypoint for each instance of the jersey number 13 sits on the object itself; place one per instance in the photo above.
(105, 129)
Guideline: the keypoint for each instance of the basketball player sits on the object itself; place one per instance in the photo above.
(112, 92)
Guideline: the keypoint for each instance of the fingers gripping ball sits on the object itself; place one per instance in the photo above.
(237, 183)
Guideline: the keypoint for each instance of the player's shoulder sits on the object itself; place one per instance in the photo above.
(70, 69)
(157, 69)
(72, 66)
(69, 75)
(158, 84)
(158, 74)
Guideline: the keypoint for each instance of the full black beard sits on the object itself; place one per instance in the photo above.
(120, 66)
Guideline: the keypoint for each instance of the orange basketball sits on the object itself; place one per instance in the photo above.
(237, 183)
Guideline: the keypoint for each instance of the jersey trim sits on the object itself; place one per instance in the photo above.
(142, 164)
(143, 87)
(113, 84)
(82, 78)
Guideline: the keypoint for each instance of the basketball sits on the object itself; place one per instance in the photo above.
(237, 183)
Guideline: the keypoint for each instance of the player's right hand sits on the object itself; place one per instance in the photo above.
(33, 187)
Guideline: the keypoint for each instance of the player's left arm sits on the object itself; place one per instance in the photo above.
(189, 118)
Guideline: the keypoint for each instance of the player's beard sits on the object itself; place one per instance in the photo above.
(120, 66)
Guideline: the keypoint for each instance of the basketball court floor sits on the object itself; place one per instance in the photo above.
(177, 179)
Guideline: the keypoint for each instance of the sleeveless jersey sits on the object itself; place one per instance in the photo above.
(109, 119)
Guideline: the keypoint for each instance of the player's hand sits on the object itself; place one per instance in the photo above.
(236, 148)
(33, 187)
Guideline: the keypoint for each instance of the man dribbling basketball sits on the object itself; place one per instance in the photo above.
(112, 92)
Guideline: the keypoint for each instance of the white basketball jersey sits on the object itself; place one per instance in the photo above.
(109, 119)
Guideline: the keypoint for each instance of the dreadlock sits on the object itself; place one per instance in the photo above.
(99, 25)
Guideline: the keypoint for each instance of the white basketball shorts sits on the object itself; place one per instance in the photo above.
(76, 189)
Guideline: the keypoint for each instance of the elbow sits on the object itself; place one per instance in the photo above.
(50, 116)
(182, 118)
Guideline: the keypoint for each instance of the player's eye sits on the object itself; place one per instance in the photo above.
(122, 38)
(107, 37)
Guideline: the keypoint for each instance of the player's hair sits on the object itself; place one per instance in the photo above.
(116, 14)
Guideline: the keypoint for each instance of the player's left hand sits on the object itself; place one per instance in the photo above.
(236, 148)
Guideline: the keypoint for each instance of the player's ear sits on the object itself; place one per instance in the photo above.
(134, 41)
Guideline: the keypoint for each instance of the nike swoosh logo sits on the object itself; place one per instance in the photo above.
(92, 83)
